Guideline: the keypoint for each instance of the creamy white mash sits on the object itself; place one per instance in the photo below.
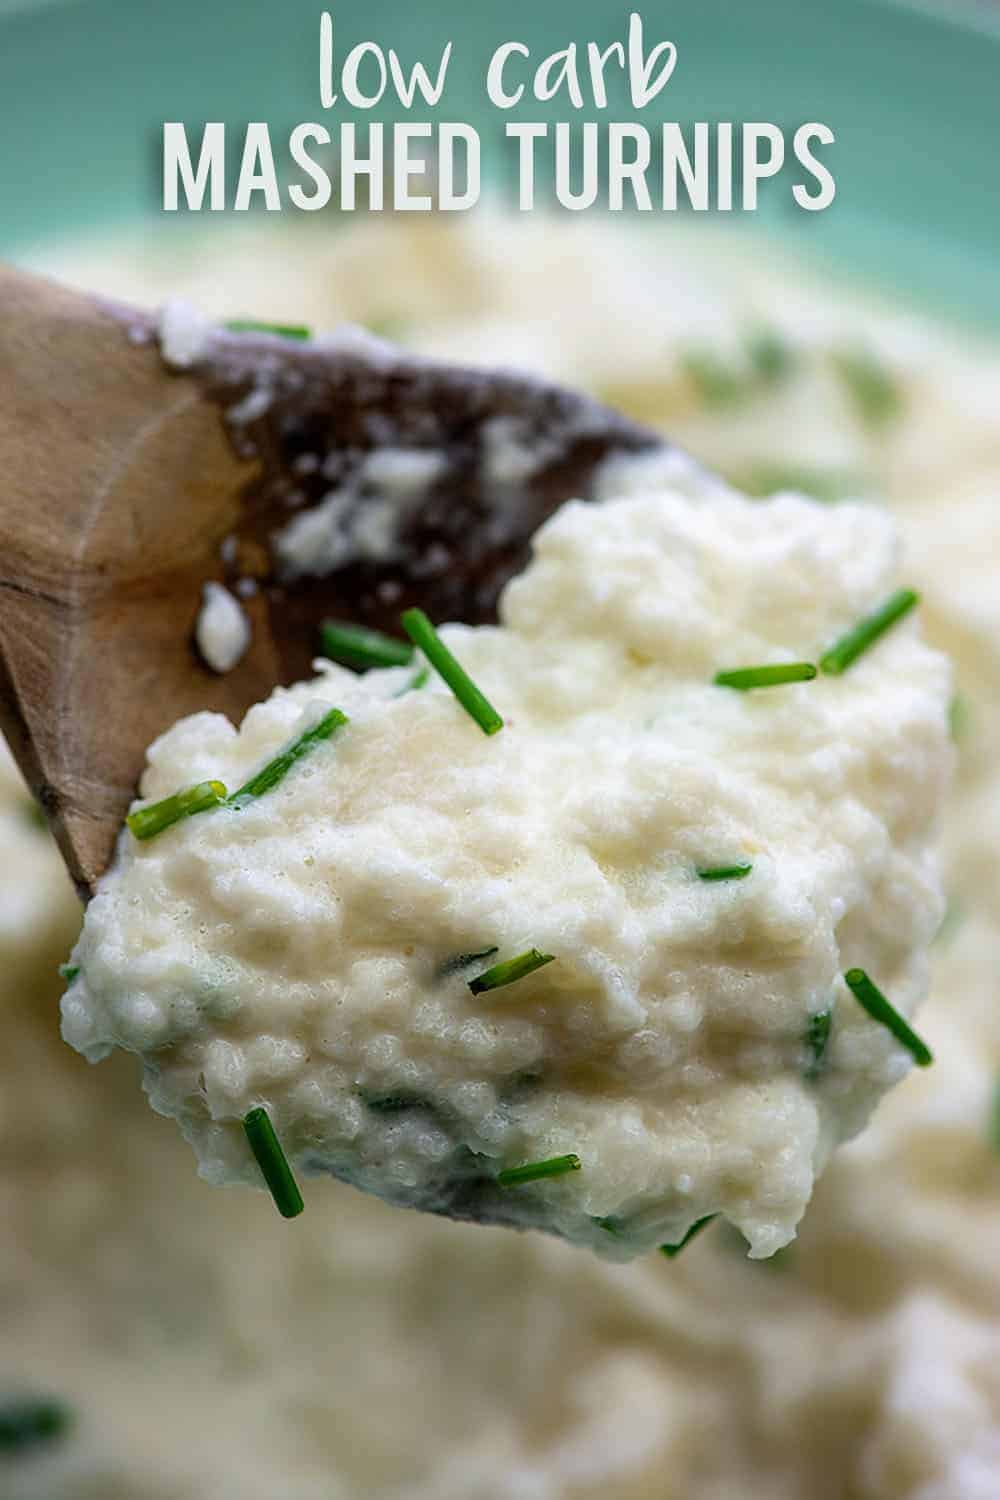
(312, 951)
(206, 1347)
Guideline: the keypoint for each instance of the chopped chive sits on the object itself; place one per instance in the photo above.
(422, 633)
(699, 1224)
(146, 822)
(725, 872)
(510, 970)
(463, 960)
(867, 631)
(418, 680)
(816, 1039)
(69, 972)
(745, 678)
(29, 1421)
(534, 1171)
(958, 717)
(281, 330)
(771, 358)
(273, 1162)
(871, 999)
(357, 646)
(826, 485)
(716, 384)
(994, 1121)
(873, 390)
(277, 769)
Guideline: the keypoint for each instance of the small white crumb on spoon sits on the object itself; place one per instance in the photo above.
(222, 633)
(184, 333)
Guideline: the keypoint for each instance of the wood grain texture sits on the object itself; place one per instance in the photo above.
(121, 481)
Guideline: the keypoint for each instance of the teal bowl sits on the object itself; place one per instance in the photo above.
(910, 92)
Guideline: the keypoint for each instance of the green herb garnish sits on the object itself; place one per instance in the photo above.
(716, 382)
(357, 646)
(871, 999)
(510, 970)
(422, 633)
(745, 678)
(29, 1421)
(726, 872)
(817, 1036)
(994, 1121)
(699, 1224)
(69, 972)
(534, 1171)
(771, 358)
(281, 330)
(958, 717)
(871, 387)
(277, 769)
(273, 1162)
(146, 822)
(867, 632)
(463, 960)
(827, 485)
(418, 680)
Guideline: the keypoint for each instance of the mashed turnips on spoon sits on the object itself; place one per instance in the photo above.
(602, 920)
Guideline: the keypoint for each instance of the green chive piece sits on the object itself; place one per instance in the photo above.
(745, 678)
(994, 1122)
(277, 769)
(825, 485)
(510, 971)
(281, 330)
(871, 999)
(867, 631)
(146, 822)
(357, 646)
(69, 972)
(699, 1224)
(718, 385)
(463, 960)
(726, 872)
(30, 1421)
(876, 395)
(422, 633)
(273, 1162)
(958, 717)
(534, 1171)
(816, 1039)
(771, 358)
(417, 681)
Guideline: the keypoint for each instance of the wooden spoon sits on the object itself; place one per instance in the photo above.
(126, 486)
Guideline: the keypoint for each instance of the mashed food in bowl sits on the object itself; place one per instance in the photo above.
(198, 1345)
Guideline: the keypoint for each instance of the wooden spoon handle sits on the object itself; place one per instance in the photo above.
(116, 477)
